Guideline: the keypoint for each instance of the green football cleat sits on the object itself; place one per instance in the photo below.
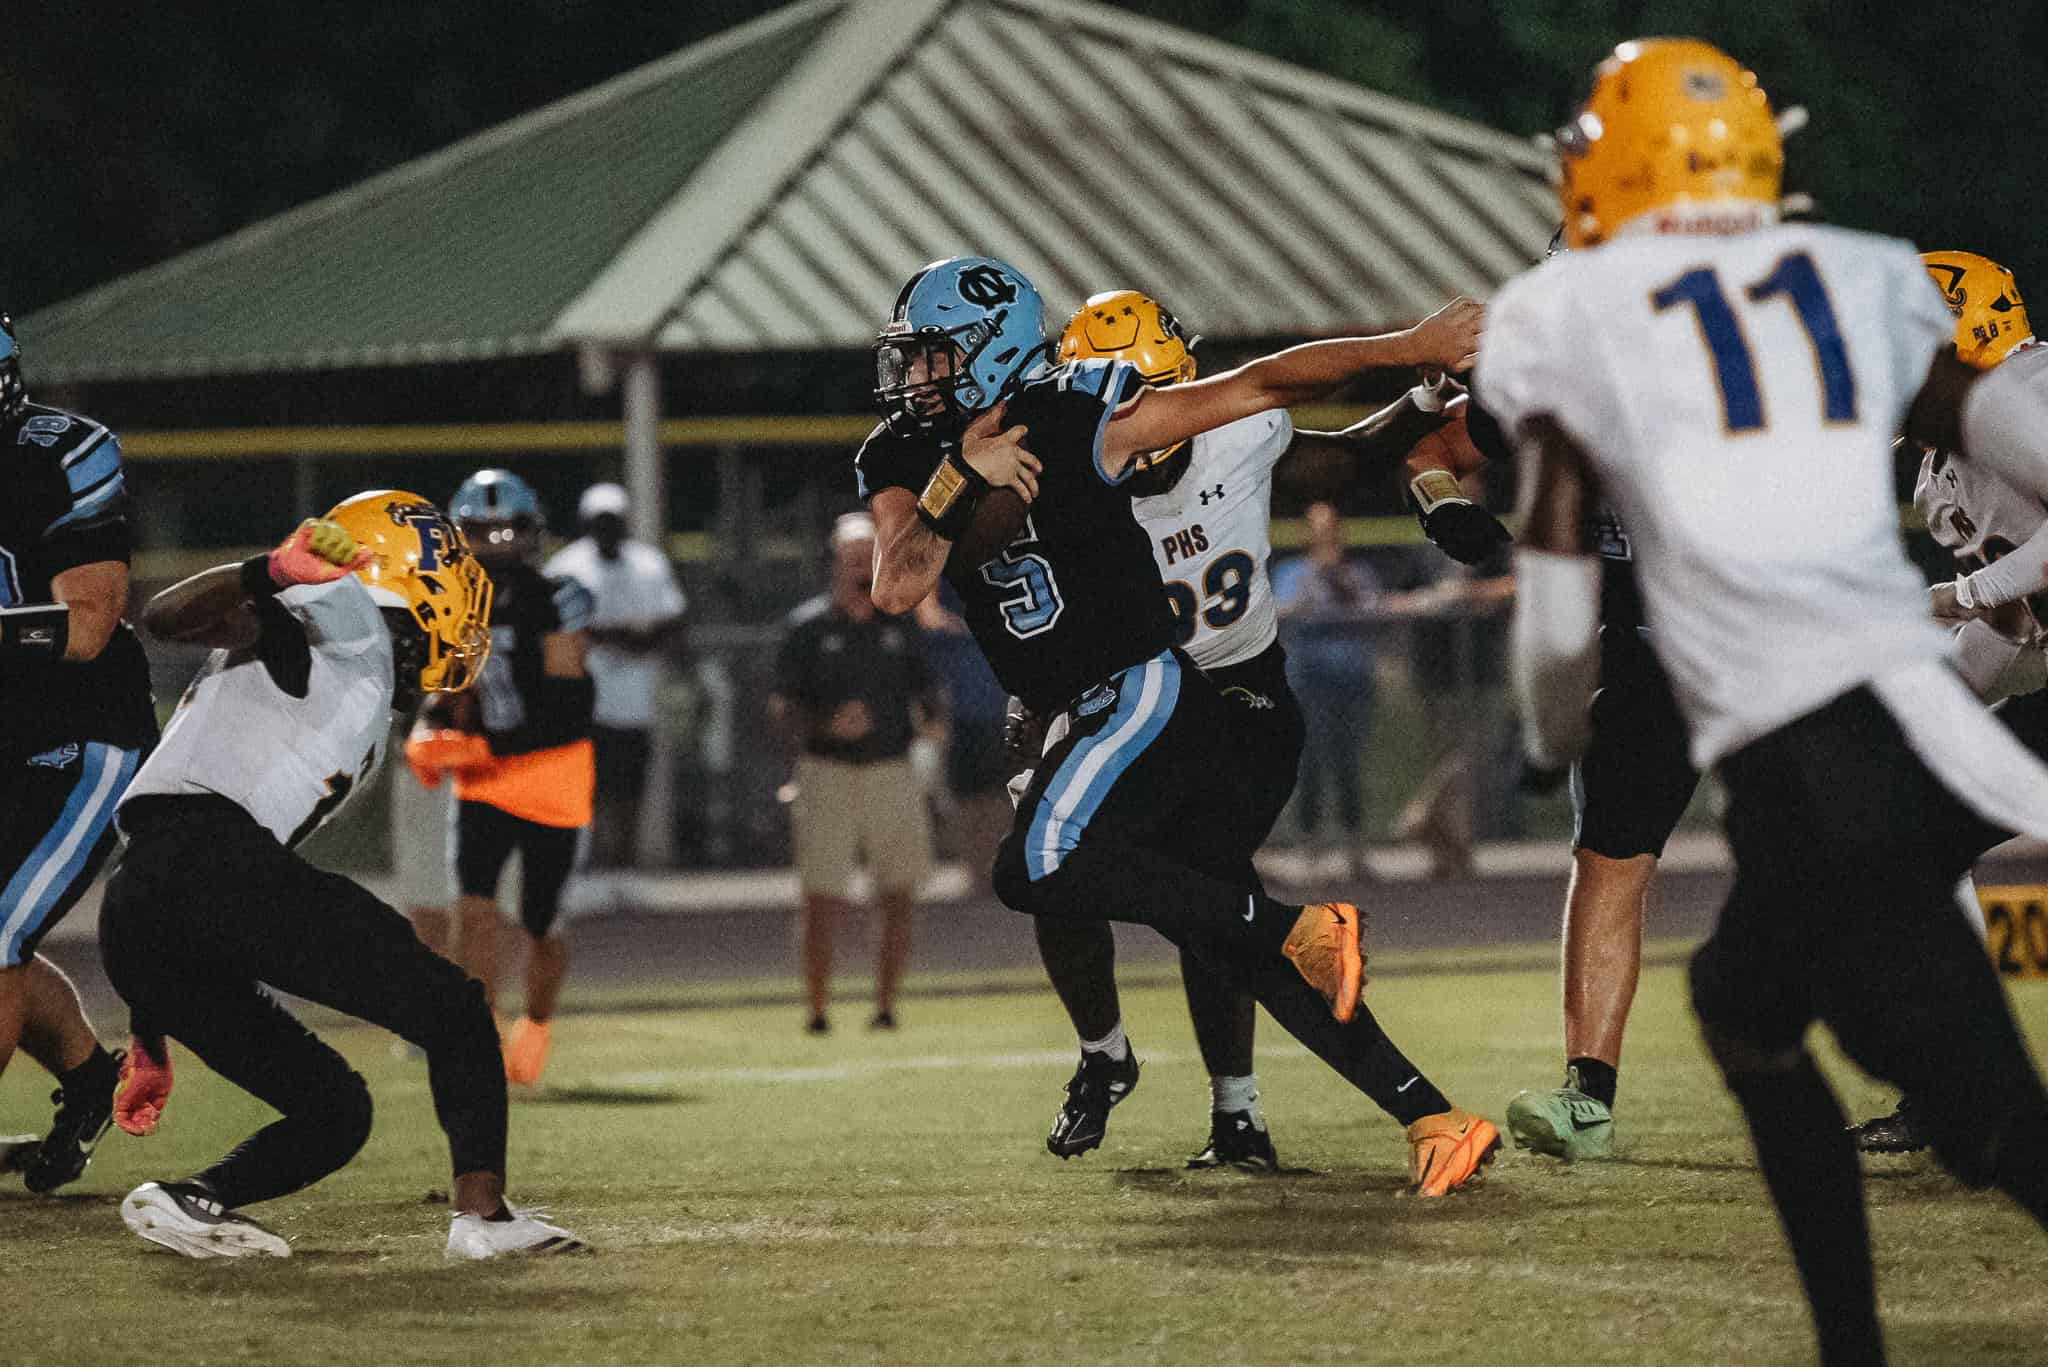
(1563, 1123)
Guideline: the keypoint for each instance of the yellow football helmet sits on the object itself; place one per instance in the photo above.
(1125, 325)
(1991, 318)
(421, 564)
(1670, 122)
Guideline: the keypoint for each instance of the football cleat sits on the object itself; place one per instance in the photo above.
(84, 1114)
(1899, 1132)
(526, 1051)
(1563, 1123)
(1098, 1084)
(185, 1218)
(1237, 1139)
(472, 1238)
(1449, 1149)
(1325, 949)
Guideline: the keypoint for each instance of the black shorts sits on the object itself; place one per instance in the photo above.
(485, 838)
(1268, 728)
(57, 831)
(1636, 778)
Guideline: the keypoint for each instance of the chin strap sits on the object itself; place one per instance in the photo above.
(39, 631)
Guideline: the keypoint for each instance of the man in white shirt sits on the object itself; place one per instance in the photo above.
(639, 617)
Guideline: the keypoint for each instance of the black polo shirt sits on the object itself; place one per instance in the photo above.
(828, 659)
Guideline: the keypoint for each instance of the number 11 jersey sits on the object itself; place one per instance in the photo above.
(1738, 397)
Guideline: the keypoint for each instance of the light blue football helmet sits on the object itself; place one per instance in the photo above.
(966, 331)
(500, 514)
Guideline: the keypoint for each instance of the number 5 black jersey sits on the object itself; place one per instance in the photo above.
(64, 503)
(1075, 597)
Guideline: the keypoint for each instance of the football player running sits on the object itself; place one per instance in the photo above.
(1206, 507)
(352, 617)
(1996, 532)
(1072, 619)
(1795, 632)
(520, 750)
(74, 690)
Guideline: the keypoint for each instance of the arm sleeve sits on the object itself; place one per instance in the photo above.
(2020, 573)
(1981, 654)
(1556, 662)
(885, 461)
(94, 525)
(2005, 422)
(1538, 360)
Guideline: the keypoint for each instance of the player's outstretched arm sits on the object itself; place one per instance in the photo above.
(1998, 419)
(212, 608)
(1556, 662)
(1158, 418)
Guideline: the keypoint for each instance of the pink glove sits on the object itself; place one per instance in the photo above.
(319, 552)
(144, 1089)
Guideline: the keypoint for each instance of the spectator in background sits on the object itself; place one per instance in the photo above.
(637, 619)
(1327, 604)
(852, 689)
(977, 766)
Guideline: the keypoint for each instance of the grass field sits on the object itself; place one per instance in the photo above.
(760, 1196)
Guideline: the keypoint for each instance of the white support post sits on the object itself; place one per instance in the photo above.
(645, 476)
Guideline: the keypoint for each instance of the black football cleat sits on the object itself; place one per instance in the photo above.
(84, 1114)
(1237, 1139)
(1098, 1084)
(1899, 1132)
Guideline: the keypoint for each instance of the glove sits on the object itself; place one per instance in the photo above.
(319, 552)
(144, 1089)
(1023, 734)
(1464, 531)
(441, 751)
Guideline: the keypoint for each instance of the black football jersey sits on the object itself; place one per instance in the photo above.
(64, 503)
(522, 708)
(1076, 596)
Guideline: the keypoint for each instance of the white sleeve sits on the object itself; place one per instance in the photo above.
(2020, 573)
(1278, 437)
(1556, 661)
(339, 617)
(1533, 360)
(1981, 655)
(1923, 325)
(2005, 421)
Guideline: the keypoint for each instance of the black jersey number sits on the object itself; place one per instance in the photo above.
(1226, 587)
(1030, 595)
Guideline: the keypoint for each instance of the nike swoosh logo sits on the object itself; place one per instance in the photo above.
(1250, 907)
(1409, 1083)
(1579, 1124)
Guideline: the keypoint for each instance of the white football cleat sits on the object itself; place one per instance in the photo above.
(186, 1220)
(472, 1238)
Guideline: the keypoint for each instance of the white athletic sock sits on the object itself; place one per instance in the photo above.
(1236, 1094)
(1114, 1044)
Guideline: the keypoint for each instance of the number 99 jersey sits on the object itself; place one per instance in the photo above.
(1211, 536)
(1738, 397)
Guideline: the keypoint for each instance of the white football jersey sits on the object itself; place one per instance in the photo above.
(1211, 536)
(1738, 397)
(1976, 514)
(290, 762)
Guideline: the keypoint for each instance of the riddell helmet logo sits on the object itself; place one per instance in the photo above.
(987, 287)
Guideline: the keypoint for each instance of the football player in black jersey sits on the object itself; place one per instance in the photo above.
(75, 719)
(1074, 621)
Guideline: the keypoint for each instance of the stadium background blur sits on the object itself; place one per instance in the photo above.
(254, 110)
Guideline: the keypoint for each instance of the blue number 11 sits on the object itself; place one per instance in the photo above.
(1742, 403)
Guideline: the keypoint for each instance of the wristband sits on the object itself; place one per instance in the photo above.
(1434, 488)
(950, 497)
(40, 630)
(256, 580)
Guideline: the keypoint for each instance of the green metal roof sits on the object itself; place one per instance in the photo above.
(471, 252)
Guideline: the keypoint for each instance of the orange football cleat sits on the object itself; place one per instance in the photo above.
(526, 1051)
(1324, 949)
(1449, 1149)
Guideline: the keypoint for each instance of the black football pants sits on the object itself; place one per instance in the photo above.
(205, 909)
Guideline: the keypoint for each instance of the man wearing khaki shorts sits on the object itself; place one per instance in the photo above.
(853, 690)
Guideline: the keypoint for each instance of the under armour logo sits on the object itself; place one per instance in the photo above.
(1215, 493)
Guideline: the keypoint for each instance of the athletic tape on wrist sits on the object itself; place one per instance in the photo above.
(1434, 488)
(951, 496)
